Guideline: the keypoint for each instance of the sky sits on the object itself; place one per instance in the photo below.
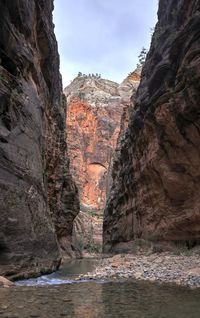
(102, 36)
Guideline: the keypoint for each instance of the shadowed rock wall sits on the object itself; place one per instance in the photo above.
(156, 177)
(37, 195)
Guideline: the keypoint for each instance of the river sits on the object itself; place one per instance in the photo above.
(59, 295)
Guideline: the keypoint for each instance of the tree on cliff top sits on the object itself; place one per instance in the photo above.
(141, 58)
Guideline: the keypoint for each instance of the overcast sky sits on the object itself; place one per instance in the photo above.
(102, 36)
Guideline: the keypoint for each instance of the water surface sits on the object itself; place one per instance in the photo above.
(97, 299)
(65, 275)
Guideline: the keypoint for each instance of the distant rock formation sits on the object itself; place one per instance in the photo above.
(94, 112)
(156, 177)
(38, 200)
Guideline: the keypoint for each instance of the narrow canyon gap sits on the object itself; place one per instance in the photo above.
(97, 112)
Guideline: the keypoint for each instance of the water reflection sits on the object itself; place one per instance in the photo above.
(99, 300)
(143, 299)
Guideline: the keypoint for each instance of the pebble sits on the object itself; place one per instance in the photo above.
(165, 268)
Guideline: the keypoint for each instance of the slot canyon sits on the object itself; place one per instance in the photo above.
(99, 180)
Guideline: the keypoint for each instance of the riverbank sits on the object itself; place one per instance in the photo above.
(164, 268)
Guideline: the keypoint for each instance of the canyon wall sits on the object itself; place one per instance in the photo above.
(95, 109)
(156, 175)
(38, 200)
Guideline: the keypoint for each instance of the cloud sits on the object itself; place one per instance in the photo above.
(103, 36)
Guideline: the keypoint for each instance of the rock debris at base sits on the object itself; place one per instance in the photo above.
(165, 268)
(4, 282)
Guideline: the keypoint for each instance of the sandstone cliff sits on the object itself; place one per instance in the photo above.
(156, 177)
(38, 200)
(95, 109)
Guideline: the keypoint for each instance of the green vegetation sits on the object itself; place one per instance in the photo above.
(155, 245)
(92, 247)
(157, 34)
(93, 214)
(141, 59)
(174, 12)
(81, 242)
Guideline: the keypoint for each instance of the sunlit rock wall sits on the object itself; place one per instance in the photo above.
(97, 112)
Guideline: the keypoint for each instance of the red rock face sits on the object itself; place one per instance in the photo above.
(82, 125)
(94, 112)
(156, 177)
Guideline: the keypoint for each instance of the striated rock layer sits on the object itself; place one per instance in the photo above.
(38, 200)
(156, 178)
(95, 109)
